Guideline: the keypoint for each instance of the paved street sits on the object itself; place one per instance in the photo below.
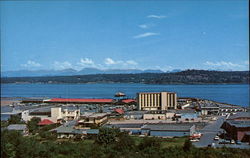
(209, 132)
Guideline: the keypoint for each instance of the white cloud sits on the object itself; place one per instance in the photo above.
(221, 64)
(143, 26)
(147, 34)
(85, 62)
(131, 62)
(126, 63)
(246, 62)
(156, 16)
(62, 65)
(109, 61)
(31, 64)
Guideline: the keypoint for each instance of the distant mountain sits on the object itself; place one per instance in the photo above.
(71, 72)
(153, 71)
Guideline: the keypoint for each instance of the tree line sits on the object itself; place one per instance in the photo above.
(184, 77)
(109, 143)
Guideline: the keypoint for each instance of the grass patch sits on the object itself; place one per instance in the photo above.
(165, 142)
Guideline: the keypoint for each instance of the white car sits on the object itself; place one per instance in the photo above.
(216, 138)
(194, 140)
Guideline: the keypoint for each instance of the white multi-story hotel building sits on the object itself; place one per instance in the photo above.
(156, 100)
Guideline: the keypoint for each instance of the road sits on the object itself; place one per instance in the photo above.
(209, 132)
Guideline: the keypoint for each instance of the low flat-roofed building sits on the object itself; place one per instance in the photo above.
(134, 115)
(156, 100)
(168, 130)
(27, 115)
(187, 115)
(240, 116)
(71, 132)
(53, 114)
(158, 115)
(236, 129)
(132, 128)
(91, 119)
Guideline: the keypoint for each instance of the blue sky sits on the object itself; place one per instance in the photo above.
(162, 35)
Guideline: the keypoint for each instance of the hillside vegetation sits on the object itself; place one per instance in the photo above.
(184, 77)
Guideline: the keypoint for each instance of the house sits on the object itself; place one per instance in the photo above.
(18, 127)
(65, 132)
(168, 130)
(70, 132)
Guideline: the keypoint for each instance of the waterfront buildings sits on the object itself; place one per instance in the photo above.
(156, 100)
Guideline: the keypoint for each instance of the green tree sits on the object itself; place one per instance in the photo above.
(107, 136)
(125, 142)
(15, 119)
(33, 124)
(187, 145)
(150, 142)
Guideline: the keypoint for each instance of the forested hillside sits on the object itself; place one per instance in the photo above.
(184, 77)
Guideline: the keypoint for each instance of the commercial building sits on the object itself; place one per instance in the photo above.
(188, 115)
(237, 126)
(157, 100)
(168, 130)
(92, 119)
(159, 115)
(53, 114)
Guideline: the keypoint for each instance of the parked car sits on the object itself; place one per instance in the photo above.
(216, 138)
(194, 140)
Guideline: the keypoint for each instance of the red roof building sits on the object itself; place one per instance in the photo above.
(66, 100)
(127, 101)
(119, 111)
(45, 122)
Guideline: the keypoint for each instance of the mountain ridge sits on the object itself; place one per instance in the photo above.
(71, 72)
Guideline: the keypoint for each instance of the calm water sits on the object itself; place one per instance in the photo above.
(233, 94)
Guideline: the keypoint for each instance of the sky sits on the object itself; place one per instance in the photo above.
(125, 34)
